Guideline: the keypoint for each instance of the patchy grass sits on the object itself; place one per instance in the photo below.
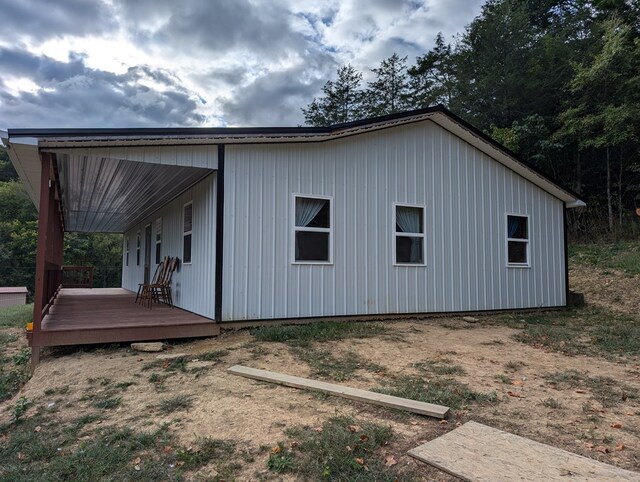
(443, 391)
(175, 404)
(442, 366)
(107, 403)
(514, 365)
(584, 331)
(339, 367)
(622, 256)
(16, 316)
(343, 448)
(605, 390)
(552, 403)
(14, 358)
(304, 335)
(212, 355)
(177, 364)
(41, 448)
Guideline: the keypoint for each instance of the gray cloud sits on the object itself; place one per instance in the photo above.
(43, 19)
(71, 94)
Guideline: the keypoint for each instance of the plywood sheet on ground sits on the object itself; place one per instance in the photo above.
(414, 406)
(476, 452)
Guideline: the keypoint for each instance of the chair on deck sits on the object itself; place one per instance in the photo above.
(160, 292)
(144, 289)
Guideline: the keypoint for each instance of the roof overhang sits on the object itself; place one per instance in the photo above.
(101, 148)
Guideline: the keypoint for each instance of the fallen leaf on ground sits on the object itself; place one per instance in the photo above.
(137, 460)
(364, 438)
(580, 390)
(167, 449)
(21, 456)
(276, 449)
(390, 460)
(616, 425)
(354, 428)
(619, 447)
(602, 449)
(514, 394)
(517, 382)
(443, 422)
(317, 429)
(37, 429)
(359, 460)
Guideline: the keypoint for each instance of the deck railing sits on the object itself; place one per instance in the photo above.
(77, 276)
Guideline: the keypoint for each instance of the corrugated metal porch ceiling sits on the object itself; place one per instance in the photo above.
(110, 195)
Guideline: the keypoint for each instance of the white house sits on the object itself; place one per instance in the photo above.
(416, 212)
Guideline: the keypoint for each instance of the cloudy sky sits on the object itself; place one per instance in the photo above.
(139, 63)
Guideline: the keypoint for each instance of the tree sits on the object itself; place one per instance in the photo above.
(389, 91)
(603, 113)
(341, 102)
(433, 79)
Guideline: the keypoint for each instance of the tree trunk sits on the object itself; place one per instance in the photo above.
(578, 173)
(609, 206)
(620, 190)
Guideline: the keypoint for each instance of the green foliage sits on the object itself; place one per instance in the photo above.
(304, 335)
(20, 408)
(325, 364)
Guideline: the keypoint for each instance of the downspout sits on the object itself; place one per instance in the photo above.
(219, 234)
(566, 254)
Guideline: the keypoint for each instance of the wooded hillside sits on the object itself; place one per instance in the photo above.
(556, 81)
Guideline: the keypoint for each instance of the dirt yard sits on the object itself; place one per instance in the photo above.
(587, 402)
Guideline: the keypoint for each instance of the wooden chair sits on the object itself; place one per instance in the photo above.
(160, 292)
(145, 294)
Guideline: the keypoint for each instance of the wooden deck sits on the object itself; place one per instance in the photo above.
(108, 315)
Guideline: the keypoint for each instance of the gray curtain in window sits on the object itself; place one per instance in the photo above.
(513, 225)
(408, 220)
(307, 209)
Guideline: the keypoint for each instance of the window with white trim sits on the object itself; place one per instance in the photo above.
(517, 240)
(408, 221)
(187, 232)
(158, 239)
(126, 251)
(312, 229)
(138, 248)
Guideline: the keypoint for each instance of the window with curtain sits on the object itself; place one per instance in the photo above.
(158, 239)
(312, 230)
(126, 251)
(187, 232)
(518, 240)
(409, 235)
(138, 249)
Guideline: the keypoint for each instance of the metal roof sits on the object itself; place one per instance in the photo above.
(102, 204)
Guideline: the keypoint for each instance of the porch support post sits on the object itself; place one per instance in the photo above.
(49, 252)
(219, 235)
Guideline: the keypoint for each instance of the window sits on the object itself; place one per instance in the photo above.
(158, 239)
(517, 240)
(187, 230)
(409, 234)
(312, 230)
(126, 251)
(138, 249)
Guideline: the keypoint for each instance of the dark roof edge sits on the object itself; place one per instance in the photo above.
(194, 131)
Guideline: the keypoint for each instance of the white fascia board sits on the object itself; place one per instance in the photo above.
(24, 155)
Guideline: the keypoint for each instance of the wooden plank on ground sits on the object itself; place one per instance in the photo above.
(475, 452)
(414, 406)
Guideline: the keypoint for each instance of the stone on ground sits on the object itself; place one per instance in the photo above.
(148, 347)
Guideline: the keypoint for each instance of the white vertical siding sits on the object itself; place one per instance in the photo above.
(193, 285)
(466, 196)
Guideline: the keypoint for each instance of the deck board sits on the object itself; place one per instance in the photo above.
(110, 315)
(479, 453)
